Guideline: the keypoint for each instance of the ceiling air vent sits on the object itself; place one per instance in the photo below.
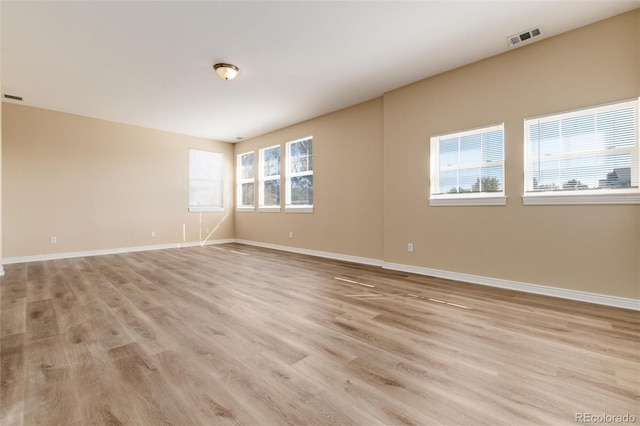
(525, 36)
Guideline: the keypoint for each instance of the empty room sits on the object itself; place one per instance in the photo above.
(320, 212)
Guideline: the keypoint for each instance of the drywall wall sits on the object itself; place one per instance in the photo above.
(1, 241)
(592, 248)
(1, 267)
(98, 185)
(347, 179)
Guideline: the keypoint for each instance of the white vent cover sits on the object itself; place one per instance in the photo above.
(524, 37)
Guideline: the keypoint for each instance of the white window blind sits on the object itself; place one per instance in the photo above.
(269, 194)
(299, 178)
(467, 167)
(205, 181)
(587, 153)
(245, 178)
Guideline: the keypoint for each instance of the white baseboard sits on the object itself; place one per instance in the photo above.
(69, 255)
(325, 254)
(582, 296)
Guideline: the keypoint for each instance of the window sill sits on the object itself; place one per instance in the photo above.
(205, 209)
(269, 209)
(591, 197)
(499, 200)
(245, 209)
(298, 209)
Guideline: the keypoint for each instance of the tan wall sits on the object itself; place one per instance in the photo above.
(347, 217)
(588, 248)
(96, 184)
(1, 186)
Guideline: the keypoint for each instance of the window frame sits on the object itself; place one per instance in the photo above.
(583, 196)
(262, 179)
(240, 181)
(295, 208)
(217, 159)
(497, 198)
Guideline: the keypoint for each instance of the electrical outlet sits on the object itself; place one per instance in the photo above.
(410, 247)
(153, 234)
(206, 230)
(290, 234)
(53, 240)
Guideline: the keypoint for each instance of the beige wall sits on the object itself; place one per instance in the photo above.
(99, 185)
(588, 248)
(1, 197)
(96, 184)
(347, 179)
(1, 186)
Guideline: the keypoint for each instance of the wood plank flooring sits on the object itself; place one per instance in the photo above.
(241, 335)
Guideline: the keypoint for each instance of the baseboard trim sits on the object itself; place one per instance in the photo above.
(562, 293)
(69, 255)
(581, 296)
(325, 254)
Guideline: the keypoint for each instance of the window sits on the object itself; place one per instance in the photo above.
(589, 156)
(299, 183)
(205, 181)
(270, 179)
(467, 168)
(245, 182)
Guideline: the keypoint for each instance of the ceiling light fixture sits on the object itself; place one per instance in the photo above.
(226, 71)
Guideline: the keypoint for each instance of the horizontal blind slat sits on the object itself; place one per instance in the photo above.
(586, 149)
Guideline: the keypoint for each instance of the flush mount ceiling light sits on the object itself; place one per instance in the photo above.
(226, 71)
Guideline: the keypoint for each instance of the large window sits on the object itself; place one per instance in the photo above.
(205, 181)
(467, 168)
(245, 181)
(299, 175)
(583, 157)
(270, 179)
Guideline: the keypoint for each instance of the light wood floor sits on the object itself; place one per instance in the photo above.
(241, 335)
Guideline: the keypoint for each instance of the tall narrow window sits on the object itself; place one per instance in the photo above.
(589, 156)
(299, 177)
(467, 168)
(205, 181)
(245, 181)
(270, 179)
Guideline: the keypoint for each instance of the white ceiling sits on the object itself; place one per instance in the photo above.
(150, 63)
